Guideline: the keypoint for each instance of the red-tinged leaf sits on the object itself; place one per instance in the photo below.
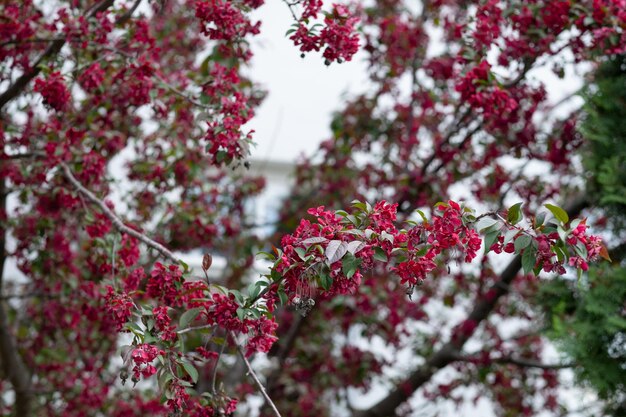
(314, 240)
(604, 253)
(355, 246)
(335, 250)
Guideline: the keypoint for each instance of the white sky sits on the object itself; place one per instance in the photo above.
(302, 93)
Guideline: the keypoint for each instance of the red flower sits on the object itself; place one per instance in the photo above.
(53, 90)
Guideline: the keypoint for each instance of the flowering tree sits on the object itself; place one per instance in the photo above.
(160, 88)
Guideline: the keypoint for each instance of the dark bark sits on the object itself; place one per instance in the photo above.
(13, 367)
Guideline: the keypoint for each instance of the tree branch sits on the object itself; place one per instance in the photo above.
(255, 377)
(448, 352)
(116, 221)
(521, 362)
(129, 13)
(13, 367)
(527, 363)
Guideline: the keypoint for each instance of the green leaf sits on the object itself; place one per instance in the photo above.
(528, 259)
(515, 213)
(560, 254)
(581, 250)
(490, 239)
(558, 212)
(360, 205)
(184, 265)
(422, 215)
(380, 255)
(282, 296)
(134, 327)
(266, 255)
(510, 235)
(254, 290)
(238, 296)
(485, 224)
(163, 379)
(522, 242)
(188, 316)
(301, 253)
(423, 251)
(541, 217)
(325, 280)
(191, 371)
(350, 264)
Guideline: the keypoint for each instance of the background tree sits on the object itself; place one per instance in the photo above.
(121, 125)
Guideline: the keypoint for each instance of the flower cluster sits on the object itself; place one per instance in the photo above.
(55, 94)
(338, 37)
(18, 23)
(92, 77)
(142, 357)
(550, 247)
(476, 88)
(403, 38)
(164, 284)
(163, 323)
(226, 141)
(222, 20)
(120, 306)
(331, 254)
(488, 19)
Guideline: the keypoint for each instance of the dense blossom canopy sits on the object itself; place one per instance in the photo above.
(124, 141)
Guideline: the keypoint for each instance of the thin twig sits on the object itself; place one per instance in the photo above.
(129, 13)
(217, 362)
(191, 329)
(116, 221)
(255, 377)
(290, 5)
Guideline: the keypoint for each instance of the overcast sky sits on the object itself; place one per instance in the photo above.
(303, 92)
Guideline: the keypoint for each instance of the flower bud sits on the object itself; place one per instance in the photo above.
(207, 260)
